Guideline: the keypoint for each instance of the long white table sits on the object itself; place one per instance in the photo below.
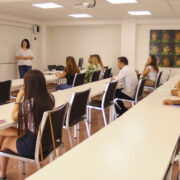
(17, 83)
(53, 72)
(61, 97)
(137, 146)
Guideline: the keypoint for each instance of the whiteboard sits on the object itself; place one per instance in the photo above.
(10, 41)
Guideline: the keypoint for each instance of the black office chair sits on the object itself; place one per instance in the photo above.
(95, 76)
(107, 73)
(79, 79)
(5, 88)
(107, 101)
(80, 63)
(168, 76)
(157, 82)
(60, 68)
(138, 94)
(51, 67)
(49, 137)
(77, 113)
(106, 67)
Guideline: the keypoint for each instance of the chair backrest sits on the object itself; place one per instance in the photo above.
(80, 63)
(51, 67)
(168, 76)
(106, 67)
(58, 118)
(109, 94)
(95, 76)
(77, 108)
(158, 78)
(138, 76)
(5, 88)
(79, 79)
(107, 73)
(139, 90)
(60, 68)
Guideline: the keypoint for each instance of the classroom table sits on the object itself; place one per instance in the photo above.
(47, 72)
(17, 83)
(136, 146)
(61, 97)
(5, 115)
(51, 72)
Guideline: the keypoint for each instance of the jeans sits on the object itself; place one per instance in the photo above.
(23, 69)
(63, 86)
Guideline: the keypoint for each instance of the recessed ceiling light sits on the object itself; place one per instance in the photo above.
(47, 5)
(80, 15)
(139, 13)
(122, 1)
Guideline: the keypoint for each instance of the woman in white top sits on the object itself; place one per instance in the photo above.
(150, 71)
(24, 57)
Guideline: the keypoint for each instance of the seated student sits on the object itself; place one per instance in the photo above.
(100, 65)
(127, 84)
(32, 101)
(91, 68)
(174, 92)
(150, 71)
(69, 72)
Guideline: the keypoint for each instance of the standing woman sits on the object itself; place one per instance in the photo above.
(32, 101)
(150, 71)
(69, 72)
(24, 57)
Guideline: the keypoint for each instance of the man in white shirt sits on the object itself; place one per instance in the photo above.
(127, 84)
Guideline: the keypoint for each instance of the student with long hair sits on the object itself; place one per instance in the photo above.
(24, 57)
(150, 71)
(100, 65)
(32, 101)
(69, 72)
(93, 61)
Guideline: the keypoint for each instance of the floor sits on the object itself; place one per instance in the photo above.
(14, 170)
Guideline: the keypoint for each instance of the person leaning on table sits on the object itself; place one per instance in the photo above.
(69, 73)
(150, 71)
(174, 92)
(32, 101)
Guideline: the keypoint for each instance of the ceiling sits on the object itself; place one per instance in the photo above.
(102, 11)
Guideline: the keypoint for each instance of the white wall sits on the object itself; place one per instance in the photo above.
(128, 40)
(128, 37)
(13, 32)
(83, 40)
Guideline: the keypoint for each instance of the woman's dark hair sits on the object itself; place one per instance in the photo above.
(154, 62)
(71, 66)
(36, 93)
(28, 43)
(123, 59)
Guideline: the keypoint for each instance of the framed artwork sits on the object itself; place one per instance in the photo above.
(165, 45)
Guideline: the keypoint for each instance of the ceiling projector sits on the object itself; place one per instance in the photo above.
(84, 4)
